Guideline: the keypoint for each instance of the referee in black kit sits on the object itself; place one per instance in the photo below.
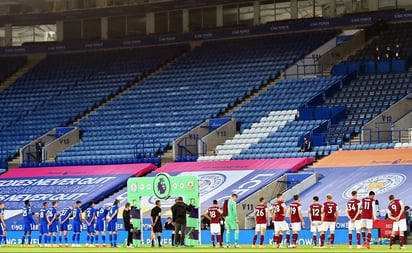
(155, 216)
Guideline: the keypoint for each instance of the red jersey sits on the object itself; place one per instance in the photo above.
(294, 209)
(214, 214)
(329, 208)
(353, 206)
(260, 214)
(279, 209)
(367, 208)
(395, 207)
(315, 211)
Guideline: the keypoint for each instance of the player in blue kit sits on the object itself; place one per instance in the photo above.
(77, 224)
(101, 225)
(28, 221)
(90, 218)
(112, 223)
(54, 224)
(3, 226)
(43, 220)
(64, 222)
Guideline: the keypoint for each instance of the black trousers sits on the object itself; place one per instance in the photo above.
(129, 238)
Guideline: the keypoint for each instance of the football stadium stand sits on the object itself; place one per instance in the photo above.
(63, 87)
(198, 86)
(9, 65)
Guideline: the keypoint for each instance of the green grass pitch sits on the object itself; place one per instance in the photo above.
(206, 248)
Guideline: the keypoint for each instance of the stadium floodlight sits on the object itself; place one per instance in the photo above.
(163, 186)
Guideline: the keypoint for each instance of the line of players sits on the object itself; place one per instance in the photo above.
(323, 217)
(50, 221)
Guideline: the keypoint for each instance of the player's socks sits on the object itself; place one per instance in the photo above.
(288, 239)
(294, 239)
(315, 240)
(66, 239)
(158, 241)
(60, 239)
(262, 238)
(88, 238)
(96, 238)
(358, 238)
(275, 239)
(401, 239)
(54, 239)
(173, 239)
(78, 238)
(73, 237)
(391, 240)
(254, 239)
(104, 239)
(219, 239)
(350, 238)
(280, 238)
(227, 237)
(111, 239)
(91, 239)
(23, 239)
(332, 238)
(5, 239)
(322, 239)
(236, 236)
(364, 236)
(115, 239)
(213, 240)
(40, 239)
(29, 239)
(369, 237)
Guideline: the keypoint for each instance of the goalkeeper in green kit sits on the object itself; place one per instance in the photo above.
(232, 221)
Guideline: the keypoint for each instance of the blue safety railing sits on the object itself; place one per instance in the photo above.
(189, 147)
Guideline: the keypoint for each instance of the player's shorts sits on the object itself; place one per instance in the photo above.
(77, 227)
(357, 225)
(315, 227)
(53, 227)
(331, 225)
(281, 226)
(399, 225)
(44, 229)
(296, 226)
(259, 227)
(367, 223)
(27, 227)
(90, 229)
(215, 228)
(231, 224)
(64, 226)
(100, 225)
(112, 226)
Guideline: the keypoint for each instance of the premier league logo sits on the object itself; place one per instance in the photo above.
(161, 186)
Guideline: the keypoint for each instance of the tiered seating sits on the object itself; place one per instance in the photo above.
(365, 98)
(62, 87)
(369, 146)
(284, 98)
(9, 65)
(395, 34)
(199, 86)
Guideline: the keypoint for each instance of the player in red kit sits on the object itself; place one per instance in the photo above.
(329, 216)
(296, 219)
(353, 208)
(367, 218)
(279, 213)
(315, 217)
(213, 214)
(396, 212)
(261, 219)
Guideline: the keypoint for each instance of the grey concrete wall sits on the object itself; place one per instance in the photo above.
(219, 136)
(404, 124)
(198, 131)
(385, 120)
(338, 53)
(62, 143)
